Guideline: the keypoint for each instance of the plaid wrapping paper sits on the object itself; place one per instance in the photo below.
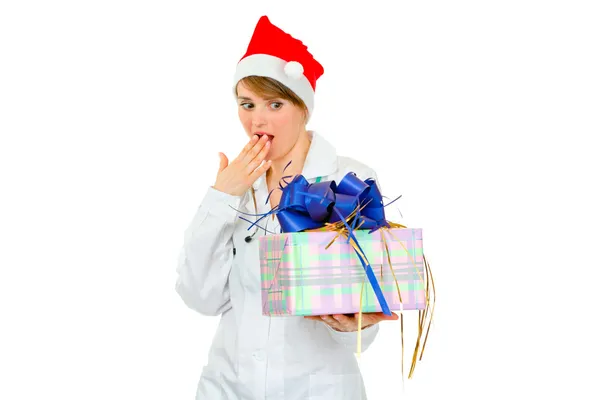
(300, 277)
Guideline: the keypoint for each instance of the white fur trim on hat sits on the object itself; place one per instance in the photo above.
(291, 74)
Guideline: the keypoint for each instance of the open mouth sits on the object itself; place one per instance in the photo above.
(260, 135)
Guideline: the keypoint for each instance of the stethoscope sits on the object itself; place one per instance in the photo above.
(249, 238)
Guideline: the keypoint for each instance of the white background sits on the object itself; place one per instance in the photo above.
(484, 116)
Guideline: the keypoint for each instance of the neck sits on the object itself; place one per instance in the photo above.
(297, 155)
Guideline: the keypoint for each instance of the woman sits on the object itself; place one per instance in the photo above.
(255, 356)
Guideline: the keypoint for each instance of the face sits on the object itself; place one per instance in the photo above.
(276, 117)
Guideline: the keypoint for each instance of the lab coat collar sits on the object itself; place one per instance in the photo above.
(321, 160)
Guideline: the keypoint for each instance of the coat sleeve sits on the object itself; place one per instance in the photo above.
(207, 254)
(349, 339)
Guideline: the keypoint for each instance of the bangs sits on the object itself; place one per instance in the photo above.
(269, 88)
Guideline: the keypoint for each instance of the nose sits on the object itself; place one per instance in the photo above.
(258, 117)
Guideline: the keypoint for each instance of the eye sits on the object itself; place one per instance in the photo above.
(277, 104)
(250, 105)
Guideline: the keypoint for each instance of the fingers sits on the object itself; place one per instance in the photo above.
(236, 176)
(340, 322)
(344, 323)
(347, 324)
(223, 162)
(255, 150)
(248, 147)
(324, 318)
(381, 316)
(313, 317)
(332, 322)
(260, 170)
(374, 318)
(258, 159)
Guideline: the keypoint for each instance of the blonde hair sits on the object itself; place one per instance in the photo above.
(269, 87)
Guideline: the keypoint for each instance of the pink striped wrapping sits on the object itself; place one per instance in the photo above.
(300, 277)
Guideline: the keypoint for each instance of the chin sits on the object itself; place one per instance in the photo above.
(271, 156)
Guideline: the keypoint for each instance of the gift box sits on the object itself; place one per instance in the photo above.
(318, 273)
(338, 254)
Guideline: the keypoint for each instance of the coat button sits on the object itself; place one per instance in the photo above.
(234, 251)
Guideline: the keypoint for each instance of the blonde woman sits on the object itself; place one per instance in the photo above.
(255, 356)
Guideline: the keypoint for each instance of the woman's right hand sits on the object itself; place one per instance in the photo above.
(235, 178)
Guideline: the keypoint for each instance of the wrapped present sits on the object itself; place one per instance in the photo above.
(317, 273)
(337, 254)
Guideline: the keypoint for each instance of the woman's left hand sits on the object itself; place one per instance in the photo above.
(349, 322)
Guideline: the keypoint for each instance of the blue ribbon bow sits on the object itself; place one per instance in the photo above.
(307, 206)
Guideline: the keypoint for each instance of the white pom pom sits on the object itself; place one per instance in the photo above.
(294, 69)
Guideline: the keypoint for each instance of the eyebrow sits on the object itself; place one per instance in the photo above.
(267, 99)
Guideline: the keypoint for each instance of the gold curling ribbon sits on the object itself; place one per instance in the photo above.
(423, 314)
(341, 230)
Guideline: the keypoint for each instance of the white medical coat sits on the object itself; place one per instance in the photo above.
(255, 356)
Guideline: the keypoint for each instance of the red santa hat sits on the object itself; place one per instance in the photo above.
(275, 54)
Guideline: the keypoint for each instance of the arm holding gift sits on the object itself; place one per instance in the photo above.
(349, 323)
(344, 328)
(349, 339)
